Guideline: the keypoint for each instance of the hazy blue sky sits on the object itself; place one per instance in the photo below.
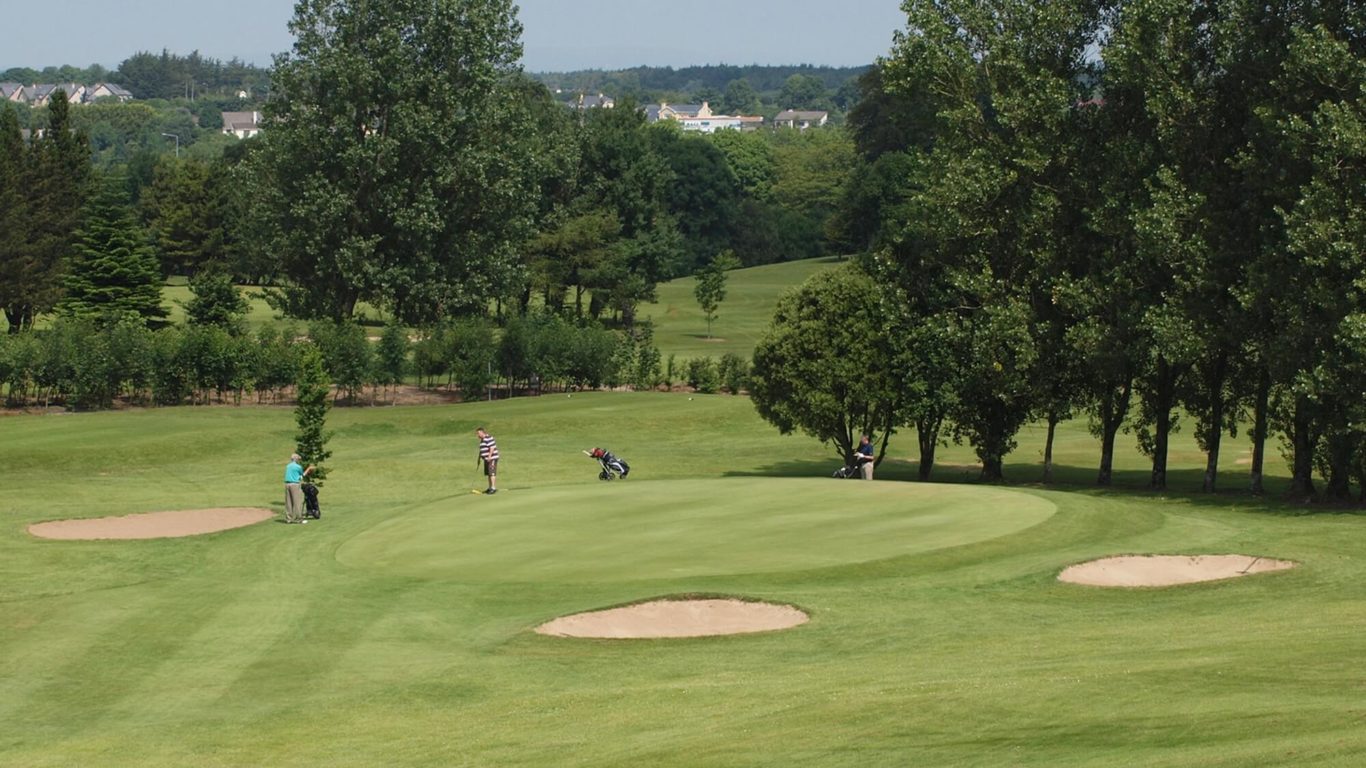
(559, 34)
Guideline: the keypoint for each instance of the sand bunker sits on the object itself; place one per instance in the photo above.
(152, 525)
(1168, 570)
(677, 618)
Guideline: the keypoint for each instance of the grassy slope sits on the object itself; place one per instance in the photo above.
(751, 296)
(272, 645)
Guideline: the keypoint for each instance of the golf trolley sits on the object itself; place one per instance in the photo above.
(311, 508)
(611, 467)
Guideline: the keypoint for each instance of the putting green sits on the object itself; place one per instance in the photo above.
(633, 530)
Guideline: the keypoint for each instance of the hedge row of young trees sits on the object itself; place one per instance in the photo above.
(90, 364)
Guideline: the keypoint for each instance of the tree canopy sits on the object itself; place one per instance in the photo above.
(396, 167)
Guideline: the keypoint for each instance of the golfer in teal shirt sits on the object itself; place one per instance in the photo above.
(294, 492)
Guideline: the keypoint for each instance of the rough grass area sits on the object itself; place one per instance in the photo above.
(398, 630)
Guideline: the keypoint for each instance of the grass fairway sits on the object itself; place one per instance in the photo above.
(667, 529)
(397, 630)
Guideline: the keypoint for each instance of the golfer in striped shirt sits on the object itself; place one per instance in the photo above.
(488, 453)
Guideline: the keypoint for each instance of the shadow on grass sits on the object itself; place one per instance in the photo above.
(1182, 484)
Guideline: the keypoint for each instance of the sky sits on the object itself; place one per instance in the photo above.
(559, 35)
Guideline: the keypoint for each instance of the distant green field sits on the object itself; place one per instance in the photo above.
(751, 296)
(176, 293)
(397, 630)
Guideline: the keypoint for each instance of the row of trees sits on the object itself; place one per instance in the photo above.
(168, 75)
(1174, 227)
(90, 364)
(729, 90)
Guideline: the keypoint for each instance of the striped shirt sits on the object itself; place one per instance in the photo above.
(488, 450)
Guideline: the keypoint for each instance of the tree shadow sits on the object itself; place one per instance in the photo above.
(1183, 485)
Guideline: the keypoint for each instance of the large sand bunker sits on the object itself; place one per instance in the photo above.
(152, 525)
(677, 618)
(1168, 570)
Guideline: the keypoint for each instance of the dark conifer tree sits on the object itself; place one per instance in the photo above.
(113, 272)
(54, 178)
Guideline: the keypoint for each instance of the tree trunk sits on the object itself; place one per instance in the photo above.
(1302, 442)
(927, 434)
(991, 469)
(1114, 407)
(1339, 487)
(1215, 428)
(1259, 421)
(887, 430)
(1162, 425)
(1048, 448)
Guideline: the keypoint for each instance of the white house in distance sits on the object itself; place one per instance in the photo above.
(699, 118)
(107, 91)
(793, 118)
(243, 125)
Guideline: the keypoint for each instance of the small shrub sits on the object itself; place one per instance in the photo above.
(733, 371)
(703, 375)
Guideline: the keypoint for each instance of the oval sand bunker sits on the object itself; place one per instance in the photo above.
(152, 525)
(677, 618)
(1167, 570)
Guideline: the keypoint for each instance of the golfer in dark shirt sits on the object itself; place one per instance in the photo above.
(864, 456)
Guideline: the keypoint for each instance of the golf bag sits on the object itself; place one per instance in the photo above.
(846, 473)
(311, 508)
(611, 466)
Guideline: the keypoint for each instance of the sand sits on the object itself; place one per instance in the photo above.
(152, 525)
(677, 618)
(1168, 570)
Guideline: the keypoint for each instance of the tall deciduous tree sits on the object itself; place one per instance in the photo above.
(981, 235)
(825, 366)
(704, 195)
(395, 160)
(740, 98)
(1321, 310)
(621, 173)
